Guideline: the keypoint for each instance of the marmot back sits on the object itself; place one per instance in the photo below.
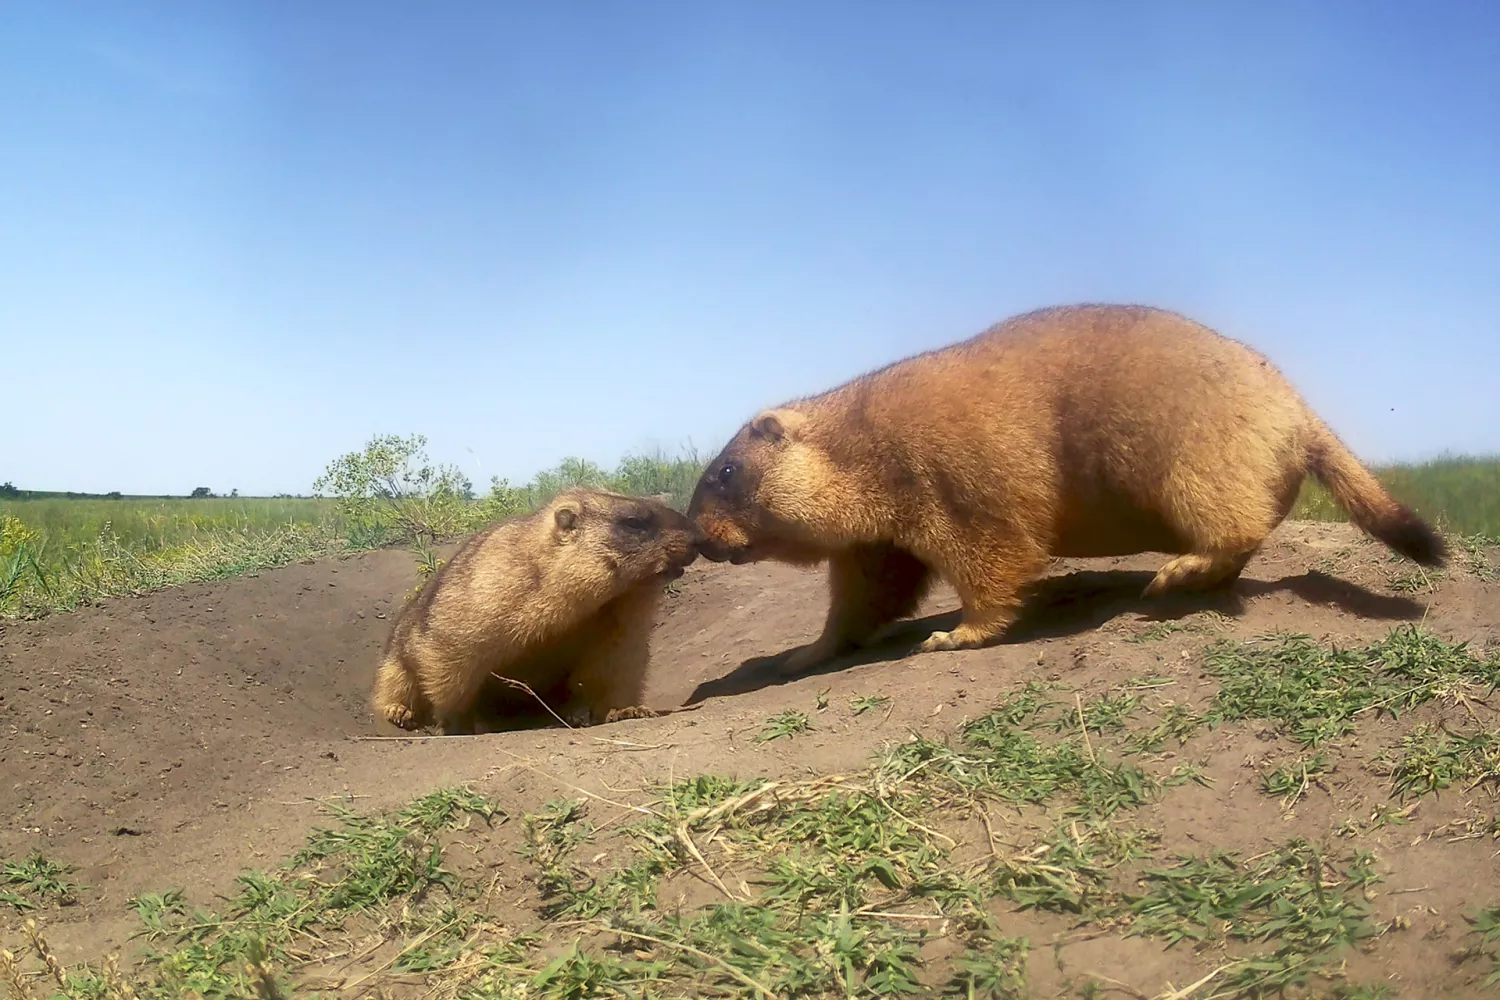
(1079, 431)
(558, 600)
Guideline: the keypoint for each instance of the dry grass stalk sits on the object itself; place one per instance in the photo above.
(117, 983)
(686, 840)
(45, 953)
(764, 798)
(260, 973)
(10, 973)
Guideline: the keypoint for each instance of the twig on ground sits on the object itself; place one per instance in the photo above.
(687, 841)
(1192, 988)
(631, 744)
(437, 736)
(989, 831)
(1083, 727)
(411, 946)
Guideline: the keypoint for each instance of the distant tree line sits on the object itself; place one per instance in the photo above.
(9, 491)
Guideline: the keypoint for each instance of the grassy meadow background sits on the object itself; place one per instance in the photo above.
(58, 552)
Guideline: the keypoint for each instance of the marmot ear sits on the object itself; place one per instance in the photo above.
(566, 518)
(777, 425)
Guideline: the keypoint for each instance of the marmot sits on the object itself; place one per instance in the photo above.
(1076, 431)
(561, 599)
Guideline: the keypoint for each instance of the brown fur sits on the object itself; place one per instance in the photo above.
(561, 600)
(1080, 431)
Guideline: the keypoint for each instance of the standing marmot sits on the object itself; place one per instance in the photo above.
(1082, 431)
(561, 600)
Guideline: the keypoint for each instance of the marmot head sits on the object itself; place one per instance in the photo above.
(757, 497)
(634, 538)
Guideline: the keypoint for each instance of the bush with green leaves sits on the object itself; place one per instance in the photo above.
(391, 491)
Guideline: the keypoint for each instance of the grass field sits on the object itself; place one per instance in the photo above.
(57, 553)
(151, 525)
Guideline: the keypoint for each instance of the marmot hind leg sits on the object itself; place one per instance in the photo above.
(1199, 571)
(870, 586)
(1222, 533)
(397, 697)
(990, 575)
(453, 686)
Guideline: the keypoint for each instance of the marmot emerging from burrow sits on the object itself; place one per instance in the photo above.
(1082, 431)
(561, 600)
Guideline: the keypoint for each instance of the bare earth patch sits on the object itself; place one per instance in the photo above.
(1178, 798)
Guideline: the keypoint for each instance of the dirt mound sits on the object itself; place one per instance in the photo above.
(134, 722)
(174, 738)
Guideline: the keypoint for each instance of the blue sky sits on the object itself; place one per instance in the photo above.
(239, 238)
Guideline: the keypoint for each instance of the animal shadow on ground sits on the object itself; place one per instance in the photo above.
(1071, 604)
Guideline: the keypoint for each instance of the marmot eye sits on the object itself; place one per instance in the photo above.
(636, 523)
(726, 473)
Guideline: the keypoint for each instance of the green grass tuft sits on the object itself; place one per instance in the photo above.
(996, 758)
(1291, 781)
(35, 880)
(357, 868)
(1430, 759)
(1485, 927)
(1293, 894)
(994, 970)
(784, 724)
(1315, 693)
